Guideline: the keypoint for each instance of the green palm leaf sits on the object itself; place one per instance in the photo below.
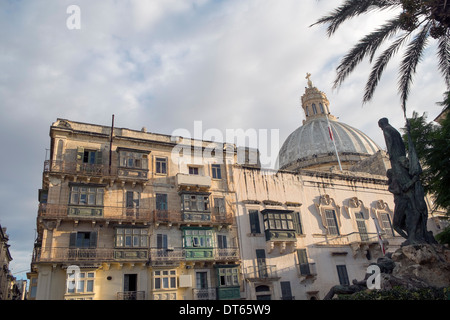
(412, 57)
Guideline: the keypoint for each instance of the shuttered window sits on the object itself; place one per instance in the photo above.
(342, 274)
(330, 216)
(254, 221)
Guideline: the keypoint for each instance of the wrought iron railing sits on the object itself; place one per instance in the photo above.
(261, 272)
(65, 254)
(131, 295)
(204, 294)
(48, 210)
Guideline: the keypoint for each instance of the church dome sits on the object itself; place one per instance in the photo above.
(313, 146)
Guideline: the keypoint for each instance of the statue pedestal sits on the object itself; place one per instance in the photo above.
(419, 266)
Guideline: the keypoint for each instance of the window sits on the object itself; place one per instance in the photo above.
(254, 221)
(80, 282)
(165, 279)
(132, 199)
(89, 156)
(286, 293)
(321, 108)
(216, 171)
(342, 274)
(303, 263)
(193, 170)
(330, 216)
(198, 238)
(83, 240)
(386, 223)
(131, 159)
(192, 202)
(361, 223)
(161, 241)
(161, 165)
(86, 196)
(228, 277)
(297, 223)
(131, 237)
(278, 221)
(314, 108)
(222, 242)
(161, 201)
(219, 206)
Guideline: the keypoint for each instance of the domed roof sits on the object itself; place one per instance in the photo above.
(311, 145)
(313, 140)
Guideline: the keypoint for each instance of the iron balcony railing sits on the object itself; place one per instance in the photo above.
(306, 269)
(91, 169)
(131, 295)
(204, 294)
(57, 211)
(155, 255)
(347, 239)
(261, 272)
(72, 254)
(141, 214)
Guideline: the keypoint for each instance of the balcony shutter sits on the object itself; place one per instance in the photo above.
(302, 256)
(80, 153)
(93, 240)
(73, 240)
(254, 221)
(99, 157)
(297, 223)
(129, 199)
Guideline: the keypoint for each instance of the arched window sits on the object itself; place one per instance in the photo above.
(321, 108)
(314, 108)
(307, 111)
(262, 288)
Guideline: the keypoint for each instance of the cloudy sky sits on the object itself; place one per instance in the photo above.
(164, 64)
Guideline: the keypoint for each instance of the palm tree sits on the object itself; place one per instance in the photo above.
(416, 22)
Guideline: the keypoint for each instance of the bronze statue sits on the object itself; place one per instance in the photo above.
(410, 213)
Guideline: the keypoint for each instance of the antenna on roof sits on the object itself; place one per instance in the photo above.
(110, 143)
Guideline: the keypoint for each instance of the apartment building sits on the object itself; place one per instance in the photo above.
(121, 216)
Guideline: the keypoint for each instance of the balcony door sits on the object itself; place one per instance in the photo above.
(201, 278)
(129, 282)
(261, 263)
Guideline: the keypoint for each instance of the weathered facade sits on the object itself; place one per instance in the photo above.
(122, 213)
(303, 232)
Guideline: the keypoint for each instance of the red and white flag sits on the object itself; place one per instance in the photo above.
(330, 132)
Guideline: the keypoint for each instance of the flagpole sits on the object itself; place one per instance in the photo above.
(334, 143)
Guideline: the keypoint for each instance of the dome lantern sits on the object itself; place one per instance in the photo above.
(315, 103)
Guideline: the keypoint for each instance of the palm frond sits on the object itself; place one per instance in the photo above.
(380, 65)
(444, 56)
(412, 57)
(353, 8)
(367, 46)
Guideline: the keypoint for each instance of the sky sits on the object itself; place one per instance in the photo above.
(163, 64)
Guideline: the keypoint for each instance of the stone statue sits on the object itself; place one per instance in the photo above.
(308, 76)
(410, 213)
